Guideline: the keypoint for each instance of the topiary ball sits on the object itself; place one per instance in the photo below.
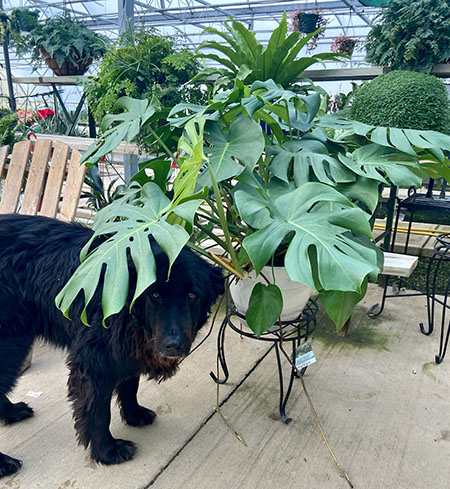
(404, 99)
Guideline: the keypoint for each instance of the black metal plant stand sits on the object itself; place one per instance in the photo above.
(441, 254)
(293, 332)
(415, 202)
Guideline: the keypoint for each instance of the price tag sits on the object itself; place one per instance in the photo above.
(304, 355)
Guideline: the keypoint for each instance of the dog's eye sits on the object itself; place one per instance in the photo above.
(192, 296)
(156, 296)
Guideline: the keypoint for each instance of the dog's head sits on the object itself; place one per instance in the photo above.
(173, 310)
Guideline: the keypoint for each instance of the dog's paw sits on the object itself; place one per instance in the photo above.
(16, 412)
(8, 465)
(139, 417)
(118, 452)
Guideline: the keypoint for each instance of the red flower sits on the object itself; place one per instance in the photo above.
(44, 113)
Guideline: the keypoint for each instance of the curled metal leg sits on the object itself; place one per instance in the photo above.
(377, 309)
(431, 292)
(443, 343)
(283, 398)
(221, 353)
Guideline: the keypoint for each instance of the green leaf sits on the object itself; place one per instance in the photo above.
(125, 126)
(373, 161)
(264, 307)
(298, 157)
(227, 146)
(363, 190)
(127, 224)
(339, 305)
(190, 143)
(322, 252)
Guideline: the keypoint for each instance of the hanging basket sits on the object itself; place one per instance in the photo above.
(308, 22)
(344, 46)
(67, 68)
(26, 20)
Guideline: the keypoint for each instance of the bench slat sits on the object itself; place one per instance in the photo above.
(36, 175)
(72, 187)
(4, 151)
(14, 178)
(55, 179)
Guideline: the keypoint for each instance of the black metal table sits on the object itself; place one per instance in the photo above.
(293, 332)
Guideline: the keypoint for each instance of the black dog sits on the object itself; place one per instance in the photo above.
(37, 257)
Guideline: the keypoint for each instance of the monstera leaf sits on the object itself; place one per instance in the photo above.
(298, 157)
(127, 224)
(231, 150)
(372, 161)
(324, 252)
(125, 126)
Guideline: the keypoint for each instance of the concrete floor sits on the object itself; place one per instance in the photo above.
(382, 401)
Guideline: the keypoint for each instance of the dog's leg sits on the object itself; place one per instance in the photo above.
(13, 351)
(132, 413)
(91, 394)
(8, 465)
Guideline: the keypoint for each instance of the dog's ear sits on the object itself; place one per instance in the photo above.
(216, 286)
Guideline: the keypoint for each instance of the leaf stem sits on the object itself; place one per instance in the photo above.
(223, 221)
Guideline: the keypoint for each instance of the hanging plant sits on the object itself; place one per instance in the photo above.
(344, 45)
(307, 23)
(23, 19)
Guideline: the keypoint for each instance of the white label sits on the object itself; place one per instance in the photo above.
(304, 355)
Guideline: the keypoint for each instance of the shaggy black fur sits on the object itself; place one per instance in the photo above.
(37, 257)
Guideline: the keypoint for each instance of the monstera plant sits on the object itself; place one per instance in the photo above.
(264, 173)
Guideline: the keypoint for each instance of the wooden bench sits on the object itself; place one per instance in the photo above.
(42, 178)
(399, 265)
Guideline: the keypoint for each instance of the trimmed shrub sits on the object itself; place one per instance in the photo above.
(404, 99)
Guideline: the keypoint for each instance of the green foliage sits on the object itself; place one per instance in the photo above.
(143, 64)
(403, 99)
(271, 300)
(294, 189)
(64, 38)
(411, 35)
(8, 126)
(23, 20)
(4, 111)
(243, 56)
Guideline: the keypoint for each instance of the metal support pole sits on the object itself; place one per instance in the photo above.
(12, 100)
(126, 15)
(126, 20)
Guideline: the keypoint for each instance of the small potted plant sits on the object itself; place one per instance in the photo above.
(307, 23)
(23, 19)
(64, 43)
(344, 45)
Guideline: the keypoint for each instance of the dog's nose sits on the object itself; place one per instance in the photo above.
(172, 348)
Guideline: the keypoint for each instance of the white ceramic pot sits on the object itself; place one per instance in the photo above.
(295, 294)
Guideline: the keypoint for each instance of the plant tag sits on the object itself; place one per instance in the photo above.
(304, 355)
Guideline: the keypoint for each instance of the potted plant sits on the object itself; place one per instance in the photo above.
(143, 63)
(410, 35)
(23, 19)
(344, 45)
(297, 188)
(64, 43)
(307, 22)
(243, 56)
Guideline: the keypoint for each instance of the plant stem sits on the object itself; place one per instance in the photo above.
(223, 221)
(163, 144)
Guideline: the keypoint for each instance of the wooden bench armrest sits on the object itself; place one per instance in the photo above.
(398, 264)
